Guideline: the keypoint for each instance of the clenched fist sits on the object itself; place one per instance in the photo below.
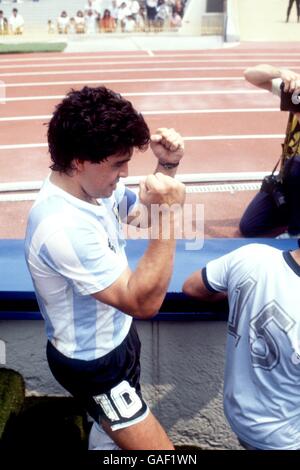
(161, 189)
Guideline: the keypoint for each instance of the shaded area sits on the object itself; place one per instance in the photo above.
(49, 426)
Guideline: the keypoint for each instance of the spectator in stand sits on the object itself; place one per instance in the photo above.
(140, 19)
(114, 11)
(175, 20)
(51, 27)
(107, 22)
(63, 23)
(89, 5)
(179, 8)
(72, 26)
(123, 12)
(129, 24)
(3, 24)
(134, 7)
(80, 22)
(162, 15)
(16, 22)
(91, 21)
(151, 6)
(290, 7)
(94, 6)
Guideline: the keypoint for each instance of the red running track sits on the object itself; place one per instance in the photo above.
(229, 125)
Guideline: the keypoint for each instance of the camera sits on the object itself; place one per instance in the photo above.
(272, 184)
(290, 100)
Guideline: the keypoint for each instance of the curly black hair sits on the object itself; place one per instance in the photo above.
(91, 124)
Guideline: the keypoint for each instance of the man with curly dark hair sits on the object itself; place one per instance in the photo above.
(87, 294)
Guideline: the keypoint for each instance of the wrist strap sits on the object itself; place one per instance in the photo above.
(168, 166)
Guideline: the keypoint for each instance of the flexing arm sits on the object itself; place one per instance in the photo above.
(141, 293)
(167, 146)
(262, 76)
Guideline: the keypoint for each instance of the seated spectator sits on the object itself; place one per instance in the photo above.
(16, 22)
(140, 20)
(3, 24)
(63, 23)
(129, 24)
(162, 15)
(175, 20)
(51, 27)
(80, 22)
(123, 12)
(107, 22)
(72, 26)
(179, 8)
(91, 19)
(151, 6)
(114, 11)
(134, 7)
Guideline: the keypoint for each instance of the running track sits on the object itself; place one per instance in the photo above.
(228, 125)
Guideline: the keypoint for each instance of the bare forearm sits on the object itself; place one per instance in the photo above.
(149, 282)
(262, 75)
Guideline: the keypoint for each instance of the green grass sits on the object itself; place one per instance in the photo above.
(27, 47)
(12, 396)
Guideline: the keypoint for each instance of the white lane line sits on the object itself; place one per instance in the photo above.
(124, 80)
(23, 146)
(157, 113)
(70, 56)
(148, 93)
(186, 178)
(186, 139)
(121, 70)
(26, 118)
(208, 188)
(66, 57)
(124, 70)
(234, 137)
(135, 62)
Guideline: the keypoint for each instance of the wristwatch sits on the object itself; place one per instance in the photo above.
(168, 166)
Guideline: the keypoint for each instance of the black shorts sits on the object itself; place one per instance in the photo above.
(108, 387)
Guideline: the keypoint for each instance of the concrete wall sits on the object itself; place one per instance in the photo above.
(182, 372)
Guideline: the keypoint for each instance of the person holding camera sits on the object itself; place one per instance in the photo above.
(276, 207)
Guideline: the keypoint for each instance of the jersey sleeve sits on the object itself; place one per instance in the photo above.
(215, 275)
(126, 200)
(225, 272)
(276, 82)
(84, 257)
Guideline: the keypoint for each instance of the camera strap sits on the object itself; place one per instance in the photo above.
(289, 148)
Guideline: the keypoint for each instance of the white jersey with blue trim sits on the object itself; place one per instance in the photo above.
(75, 249)
(262, 373)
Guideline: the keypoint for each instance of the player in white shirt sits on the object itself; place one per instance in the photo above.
(262, 371)
(75, 250)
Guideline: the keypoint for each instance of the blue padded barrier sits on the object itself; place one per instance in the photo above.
(18, 301)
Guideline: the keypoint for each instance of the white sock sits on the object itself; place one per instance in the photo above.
(100, 440)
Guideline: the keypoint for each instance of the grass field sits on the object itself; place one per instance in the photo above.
(28, 47)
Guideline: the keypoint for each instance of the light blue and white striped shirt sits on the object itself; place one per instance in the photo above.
(75, 249)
